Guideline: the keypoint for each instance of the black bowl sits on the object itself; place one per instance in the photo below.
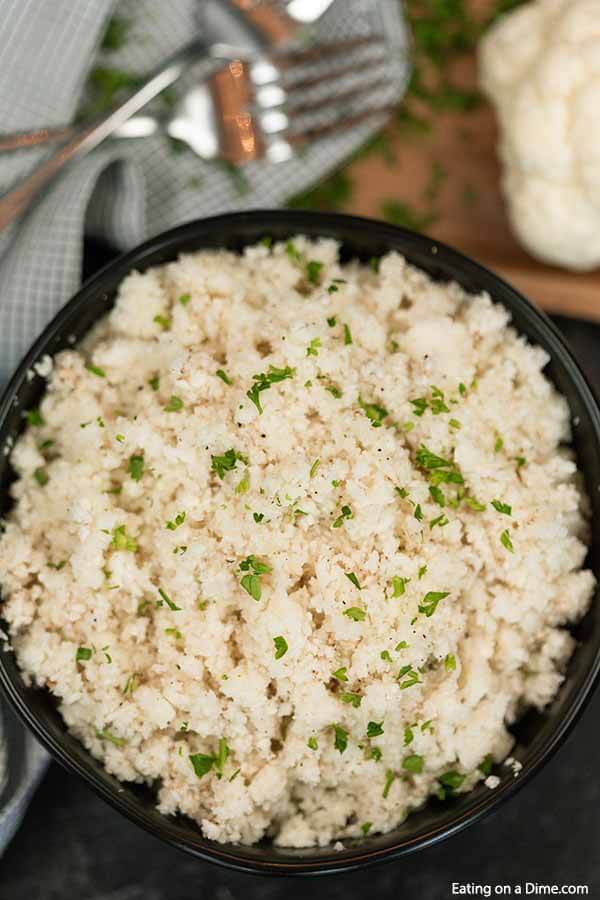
(537, 735)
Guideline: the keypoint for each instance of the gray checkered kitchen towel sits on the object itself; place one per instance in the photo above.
(126, 190)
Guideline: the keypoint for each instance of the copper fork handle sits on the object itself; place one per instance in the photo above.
(273, 23)
(240, 139)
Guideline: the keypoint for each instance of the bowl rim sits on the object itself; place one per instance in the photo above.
(347, 226)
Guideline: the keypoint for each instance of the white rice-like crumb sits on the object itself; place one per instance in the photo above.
(492, 782)
(454, 618)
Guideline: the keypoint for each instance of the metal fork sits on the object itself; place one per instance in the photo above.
(80, 141)
(265, 107)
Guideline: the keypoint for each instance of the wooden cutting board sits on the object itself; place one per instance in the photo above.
(470, 206)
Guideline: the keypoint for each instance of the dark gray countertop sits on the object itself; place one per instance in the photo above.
(72, 846)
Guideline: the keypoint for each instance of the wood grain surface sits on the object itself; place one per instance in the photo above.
(470, 208)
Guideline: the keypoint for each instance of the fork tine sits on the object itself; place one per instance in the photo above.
(351, 93)
(312, 81)
(299, 138)
(292, 58)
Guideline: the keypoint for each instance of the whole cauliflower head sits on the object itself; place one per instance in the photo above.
(540, 65)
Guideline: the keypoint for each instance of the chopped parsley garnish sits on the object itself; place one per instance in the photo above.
(154, 383)
(115, 36)
(57, 566)
(498, 445)
(506, 541)
(184, 299)
(122, 541)
(333, 390)
(450, 662)
(179, 519)
(163, 321)
(340, 740)
(174, 632)
(402, 492)
(437, 495)
(120, 438)
(175, 404)
(281, 646)
(96, 370)
(312, 743)
(374, 412)
(402, 645)
(292, 251)
(346, 513)
(347, 335)
(485, 766)
(410, 676)
(313, 347)
(385, 655)
(422, 571)
(374, 729)
(202, 763)
(462, 389)
(264, 380)
(374, 264)
(356, 614)
(399, 585)
(521, 461)
(442, 476)
(428, 460)
(408, 735)
(376, 754)
(366, 827)
(454, 423)
(105, 735)
(352, 577)
(350, 697)
(131, 684)
(390, 777)
(41, 476)
(413, 764)
(165, 597)
(136, 467)
(419, 406)
(502, 507)
(243, 485)
(437, 402)
(223, 376)
(226, 462)
(340, 674)
(430, 601)
(34, 418)
(418, 513)
(314, 468)
(258, 517)
(313, 270)
(83, 654)
(441, 521)
(332, 321)
(473, 504)
(452, 780)
(267, 241)
(254, 568)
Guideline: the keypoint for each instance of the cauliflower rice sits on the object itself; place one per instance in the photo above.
(303, 621)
